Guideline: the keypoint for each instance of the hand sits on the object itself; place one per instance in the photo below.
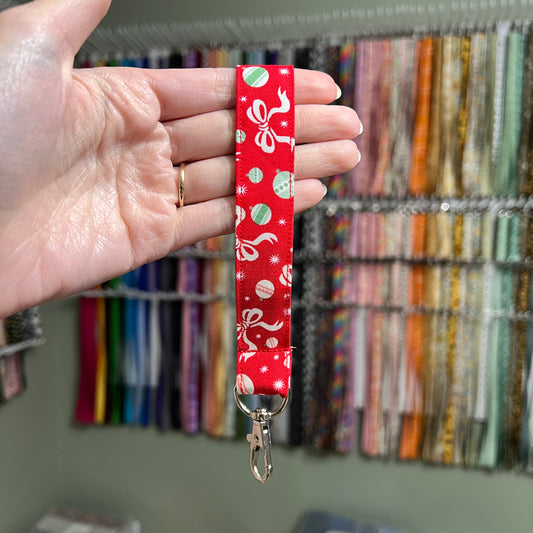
(88, 180)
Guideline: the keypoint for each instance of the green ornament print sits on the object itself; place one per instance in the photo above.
(261, 214)
(284, 184)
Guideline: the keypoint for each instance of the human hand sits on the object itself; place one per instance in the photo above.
(88, 181)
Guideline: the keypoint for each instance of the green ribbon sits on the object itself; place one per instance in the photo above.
(506, 178)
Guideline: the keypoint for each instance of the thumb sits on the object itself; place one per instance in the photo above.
(71, 21)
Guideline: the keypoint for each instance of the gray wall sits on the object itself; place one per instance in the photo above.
(30, 468)
(137, 11)
(373, 14)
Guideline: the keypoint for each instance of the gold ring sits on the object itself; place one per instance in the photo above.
(181, 188)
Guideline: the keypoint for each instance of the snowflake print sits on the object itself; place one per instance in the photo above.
(287, 311)
(247, 298)
(244, 99)
(241, 190)
(274, 259)
(240, 275)
(284, 123)
(279, 384)
(284, 71)
(264, 369)
(282, 222)
(287, 295)
(258, 336)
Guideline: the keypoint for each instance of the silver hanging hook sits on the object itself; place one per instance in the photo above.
(259, 438)
(260, 443)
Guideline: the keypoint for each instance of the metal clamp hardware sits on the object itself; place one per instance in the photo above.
(259, 438)
(260, 442)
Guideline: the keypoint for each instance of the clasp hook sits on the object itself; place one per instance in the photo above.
(259, 438)
(260, 444)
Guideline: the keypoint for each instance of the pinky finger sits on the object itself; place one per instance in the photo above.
(203, 220)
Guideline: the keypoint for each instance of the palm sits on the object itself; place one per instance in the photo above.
(127, 197)
(99, 209)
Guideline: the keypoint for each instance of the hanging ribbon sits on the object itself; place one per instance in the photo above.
(264, 197)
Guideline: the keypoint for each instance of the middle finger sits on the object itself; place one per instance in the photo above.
(313, 123)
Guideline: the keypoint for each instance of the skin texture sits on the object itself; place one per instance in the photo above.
(88, 181)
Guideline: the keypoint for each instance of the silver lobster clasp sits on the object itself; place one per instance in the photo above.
(260, 444)
(259, 438)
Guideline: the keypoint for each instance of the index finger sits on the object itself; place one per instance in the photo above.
(188, 92)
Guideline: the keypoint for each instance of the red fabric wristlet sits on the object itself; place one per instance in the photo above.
(264, 227)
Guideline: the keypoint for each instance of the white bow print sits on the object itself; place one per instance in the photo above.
(245, 249)
(251, 318)
(266, 136)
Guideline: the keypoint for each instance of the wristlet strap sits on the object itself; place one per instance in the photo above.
(264, 193)
(264, 225)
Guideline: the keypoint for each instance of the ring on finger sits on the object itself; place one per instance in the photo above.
(181, 186)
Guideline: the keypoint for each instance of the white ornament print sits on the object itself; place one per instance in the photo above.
(266, 137)
(244, 249)
(286, 276)
(251, 318)
(264, 289)
(272, 342)
(244, 384)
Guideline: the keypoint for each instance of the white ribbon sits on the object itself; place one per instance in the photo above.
(251, 318)
(266, 136)
(245, 249)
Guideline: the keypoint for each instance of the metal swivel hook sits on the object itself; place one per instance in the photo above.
(260, 444)
(259, 438)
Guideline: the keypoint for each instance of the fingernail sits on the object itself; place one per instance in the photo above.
(360, 128)
(325, 190)
(339, 92)
(358, 156)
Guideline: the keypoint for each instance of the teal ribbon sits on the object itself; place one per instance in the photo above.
(505, 181)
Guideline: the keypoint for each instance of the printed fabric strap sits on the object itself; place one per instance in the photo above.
(264, 227)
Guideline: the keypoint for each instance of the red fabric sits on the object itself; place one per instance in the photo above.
(264, 226)
(88, 361)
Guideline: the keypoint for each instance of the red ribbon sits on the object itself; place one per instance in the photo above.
(264, 226)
